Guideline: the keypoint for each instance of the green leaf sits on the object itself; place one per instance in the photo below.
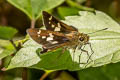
(1, 50)
(105, 44)
(6, 53)
(67, 11)
(92, 74)
(80, 1)
(7, 33)
(6, 44)
(109, 72)
(76, 5)
(33, 8)
(6, 48)
(27, 55)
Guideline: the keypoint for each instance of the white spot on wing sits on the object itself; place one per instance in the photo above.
(39, 32)
(51, 35)
(59, 25)
(54, 42)
(57, 29)
(49, 22)
(50, 18)
(53, 26)
(43, 37)
(49, 38)
(38, 35)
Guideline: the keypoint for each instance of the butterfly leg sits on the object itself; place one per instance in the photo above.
(91, 48)
(81, 54)
(87, 54)
(91, 51)
(74, 49)
(90, 54)
(64, 49)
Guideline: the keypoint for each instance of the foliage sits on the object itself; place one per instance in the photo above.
(17, 52)
(108, 72)
(7, 33)
(33, 8)
(98, 21)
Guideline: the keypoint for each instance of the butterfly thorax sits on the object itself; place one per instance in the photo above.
(77, 38)
(83, 38)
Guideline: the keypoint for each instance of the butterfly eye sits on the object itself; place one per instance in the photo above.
(81, 38)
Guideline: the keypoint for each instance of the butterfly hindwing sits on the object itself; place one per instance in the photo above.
(49, 39)
(53, 24)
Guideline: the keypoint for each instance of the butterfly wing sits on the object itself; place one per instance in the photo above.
(53, 24)
(49, 39)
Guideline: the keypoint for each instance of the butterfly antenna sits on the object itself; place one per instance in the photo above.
(98, 30)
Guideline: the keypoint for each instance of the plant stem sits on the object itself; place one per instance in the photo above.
(14, 45)
(117, 6)
(44, 76)
(73, 4)
(88, 3)
(24, 74)
(32, 23)
(47, 72)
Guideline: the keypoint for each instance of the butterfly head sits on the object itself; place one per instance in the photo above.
(83, 38)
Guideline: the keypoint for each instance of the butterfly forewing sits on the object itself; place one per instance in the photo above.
(53, 24)
(49, 39)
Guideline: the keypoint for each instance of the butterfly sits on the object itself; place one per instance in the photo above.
(57, 35)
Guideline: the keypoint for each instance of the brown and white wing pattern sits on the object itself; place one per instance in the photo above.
(53, 24)
(49, 39)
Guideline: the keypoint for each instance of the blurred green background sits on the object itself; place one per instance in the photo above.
(16, 18)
